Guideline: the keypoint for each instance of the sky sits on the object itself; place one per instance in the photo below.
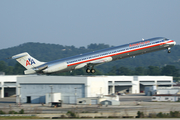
(82, 22)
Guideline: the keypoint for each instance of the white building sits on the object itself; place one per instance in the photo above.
(149, 91)
(32, 89)
(136, 84)
(166, 97)
(7, 85)
(168, 90)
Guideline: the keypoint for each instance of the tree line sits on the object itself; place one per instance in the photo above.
(168, 70)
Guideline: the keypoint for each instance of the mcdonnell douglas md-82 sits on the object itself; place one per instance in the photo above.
(89, 60)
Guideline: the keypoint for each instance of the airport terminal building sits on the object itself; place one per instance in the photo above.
(33, 88)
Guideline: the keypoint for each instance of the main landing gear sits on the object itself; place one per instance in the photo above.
(92, 70)
(169, 50)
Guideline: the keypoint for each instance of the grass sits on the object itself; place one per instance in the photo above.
(20, 117)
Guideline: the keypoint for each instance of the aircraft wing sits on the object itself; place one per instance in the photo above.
(94, 63)
(98, 62)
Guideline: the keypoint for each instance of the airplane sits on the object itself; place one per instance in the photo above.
(89, 60)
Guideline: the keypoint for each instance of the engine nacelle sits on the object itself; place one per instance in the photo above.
(55, 67)
(29, 71)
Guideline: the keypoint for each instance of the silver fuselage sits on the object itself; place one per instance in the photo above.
(107, 55)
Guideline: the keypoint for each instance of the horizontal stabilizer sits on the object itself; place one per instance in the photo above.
(19, 55)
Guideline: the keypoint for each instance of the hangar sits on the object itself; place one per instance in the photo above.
(33, 88)
(8, 85)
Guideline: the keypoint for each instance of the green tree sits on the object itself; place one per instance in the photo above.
(153, 70)
(140, 71)
(123, 71)
(97, 46)
(140, 114)
(170, 70)
(3, 66)
(112, 71)
(9, 70)
(18, 69)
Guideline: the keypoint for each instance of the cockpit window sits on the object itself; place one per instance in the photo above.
(166, 39)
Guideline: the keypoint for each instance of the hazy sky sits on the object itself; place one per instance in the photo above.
(82, 22)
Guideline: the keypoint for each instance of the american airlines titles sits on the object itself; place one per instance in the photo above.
(140, 43)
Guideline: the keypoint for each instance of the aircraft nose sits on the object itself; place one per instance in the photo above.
(174, 42)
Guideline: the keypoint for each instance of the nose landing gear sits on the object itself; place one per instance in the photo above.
(169, 50)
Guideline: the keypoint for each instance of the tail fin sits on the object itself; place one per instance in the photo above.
(26, 60)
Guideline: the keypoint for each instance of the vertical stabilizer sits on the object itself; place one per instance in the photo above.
(27, 61)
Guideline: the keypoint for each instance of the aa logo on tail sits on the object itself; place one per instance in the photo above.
(30, 62)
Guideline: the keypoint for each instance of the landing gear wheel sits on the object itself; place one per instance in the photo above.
(93, 71)
(169, 50)
(88, 70)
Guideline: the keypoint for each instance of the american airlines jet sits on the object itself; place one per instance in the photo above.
(89, 60)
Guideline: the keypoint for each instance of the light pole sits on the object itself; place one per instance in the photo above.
(19, 96)
(51, 86)
(75, 96)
